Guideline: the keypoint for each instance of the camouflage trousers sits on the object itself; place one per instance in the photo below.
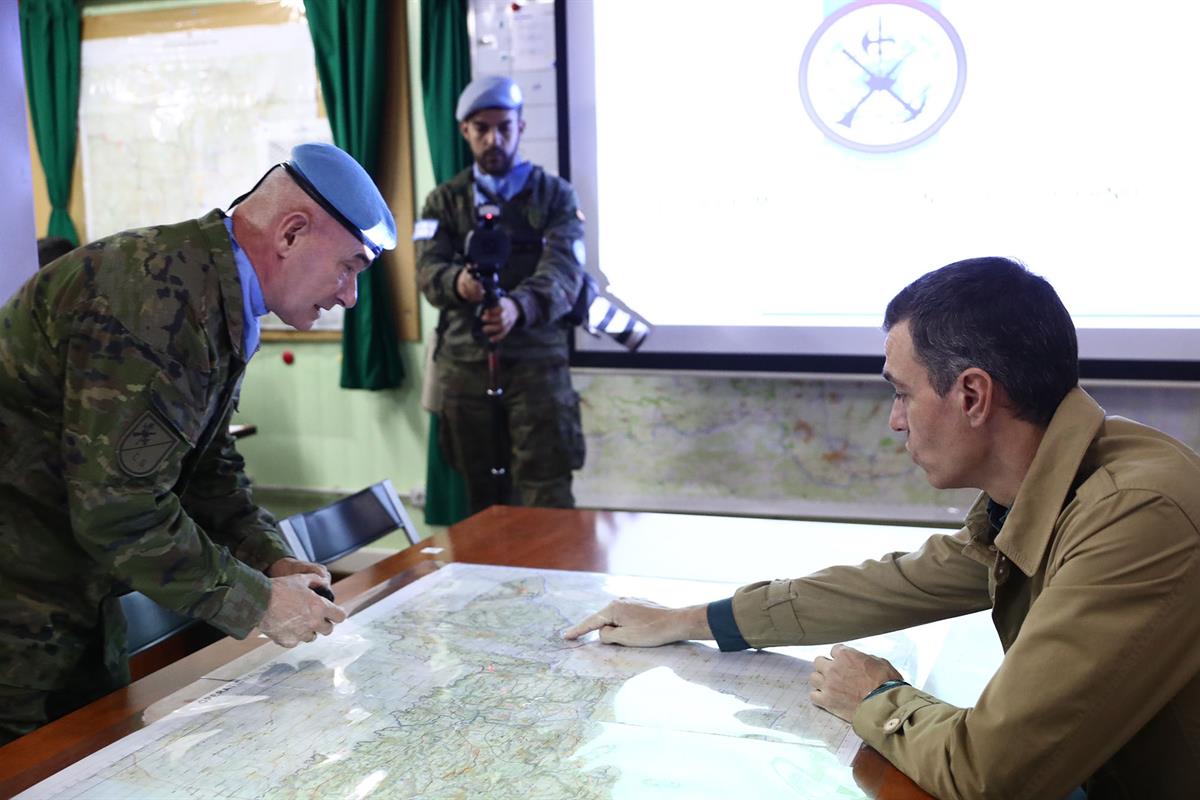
(534, 432)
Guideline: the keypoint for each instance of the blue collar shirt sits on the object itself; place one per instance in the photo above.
(253, 303)
(503, 186)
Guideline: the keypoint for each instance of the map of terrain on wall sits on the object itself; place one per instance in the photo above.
(760, 447)
(785, 446)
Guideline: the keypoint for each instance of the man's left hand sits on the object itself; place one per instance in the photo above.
(841, 680)
(500, 319)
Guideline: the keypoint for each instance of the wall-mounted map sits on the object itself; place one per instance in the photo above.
(786, 446)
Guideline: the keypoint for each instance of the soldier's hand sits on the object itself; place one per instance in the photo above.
(294, 566)
(500, 319)
(296, 613)
(642, 623)
(467, 287)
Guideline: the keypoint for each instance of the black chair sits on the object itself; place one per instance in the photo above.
(322, 536)
(342, 527)
(148, 623)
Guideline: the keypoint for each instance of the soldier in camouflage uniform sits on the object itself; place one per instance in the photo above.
(540, 435)
(120, 365)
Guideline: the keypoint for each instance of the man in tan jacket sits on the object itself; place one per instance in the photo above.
(1085, 544)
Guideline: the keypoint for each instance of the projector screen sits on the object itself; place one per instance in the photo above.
(760, 178)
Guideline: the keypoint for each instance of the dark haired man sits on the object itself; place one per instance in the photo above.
(539, 441)
(1085, 544)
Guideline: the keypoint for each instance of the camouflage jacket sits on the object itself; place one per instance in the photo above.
(543, 275)
(119, 368)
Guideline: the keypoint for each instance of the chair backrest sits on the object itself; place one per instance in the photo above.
(344, 526)
(148, 623)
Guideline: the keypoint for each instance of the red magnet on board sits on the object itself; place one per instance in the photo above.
(288, 358)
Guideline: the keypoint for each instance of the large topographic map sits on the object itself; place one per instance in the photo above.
(460, 686)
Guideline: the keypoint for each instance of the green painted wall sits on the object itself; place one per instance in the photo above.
(314, 435)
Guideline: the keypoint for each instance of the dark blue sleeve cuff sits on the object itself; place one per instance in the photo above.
(883, 687)
(724, 626)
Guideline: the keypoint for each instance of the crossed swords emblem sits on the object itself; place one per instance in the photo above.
(146, 433)
(879, 81)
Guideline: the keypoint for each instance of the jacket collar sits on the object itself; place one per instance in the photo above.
(1043, 492)
(212, 226)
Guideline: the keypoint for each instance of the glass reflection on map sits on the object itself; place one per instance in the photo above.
(658, 763)
(659, 697)
(368, 785)
(672, 737)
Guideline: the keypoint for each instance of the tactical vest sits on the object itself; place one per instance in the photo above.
(525, 218)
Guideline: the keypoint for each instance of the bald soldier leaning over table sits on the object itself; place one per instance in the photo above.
(120, 365)
(1084, 544)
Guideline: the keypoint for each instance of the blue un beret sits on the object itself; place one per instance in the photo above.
(490, 91)
(343, 188)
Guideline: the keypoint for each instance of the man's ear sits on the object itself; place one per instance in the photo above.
(977, 395)
(464, 130)
(290, 228)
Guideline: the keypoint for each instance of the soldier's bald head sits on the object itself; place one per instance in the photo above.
(275, 198)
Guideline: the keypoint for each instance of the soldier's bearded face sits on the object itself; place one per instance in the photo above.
(319, 272)
(493, 135)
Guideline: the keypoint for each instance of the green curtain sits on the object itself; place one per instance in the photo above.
(445, 71)
(350, 38)
(50, 48)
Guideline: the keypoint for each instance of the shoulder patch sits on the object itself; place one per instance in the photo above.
(424, 229)
(145, 444)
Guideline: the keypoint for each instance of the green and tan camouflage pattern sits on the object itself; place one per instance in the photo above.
(542, 435)
(542, 275)
(119, 370)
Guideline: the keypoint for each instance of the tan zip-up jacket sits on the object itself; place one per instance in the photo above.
(1094, 586)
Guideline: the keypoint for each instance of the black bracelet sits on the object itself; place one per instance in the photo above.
(883, 687)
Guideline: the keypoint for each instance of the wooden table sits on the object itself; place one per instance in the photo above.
(656, 545)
